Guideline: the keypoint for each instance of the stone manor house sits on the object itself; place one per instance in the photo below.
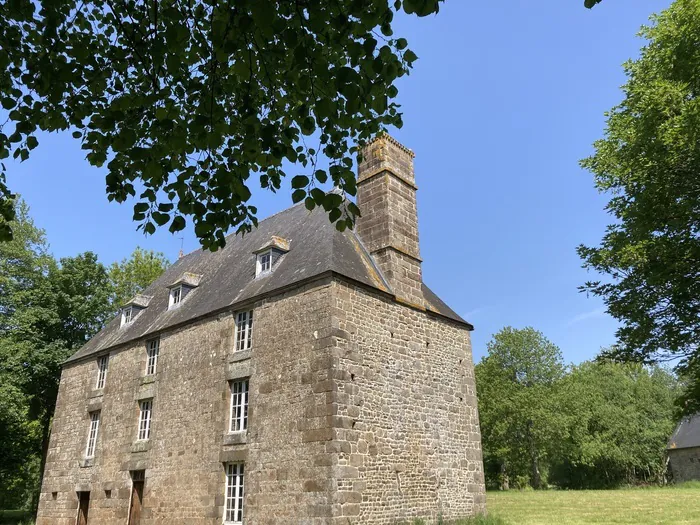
(298, 376)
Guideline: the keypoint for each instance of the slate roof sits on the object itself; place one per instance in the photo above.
(687, 434)
(228, 275)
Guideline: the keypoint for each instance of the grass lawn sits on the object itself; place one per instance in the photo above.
(666, 505)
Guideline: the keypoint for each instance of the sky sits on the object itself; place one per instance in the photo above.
(506, 98)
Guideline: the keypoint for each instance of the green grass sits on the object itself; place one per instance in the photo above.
(678, 504)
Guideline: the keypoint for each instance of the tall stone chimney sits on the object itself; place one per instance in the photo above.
(386, 195)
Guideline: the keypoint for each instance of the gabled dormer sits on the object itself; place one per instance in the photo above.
(269, 254)
(180, 288)
(135, 306)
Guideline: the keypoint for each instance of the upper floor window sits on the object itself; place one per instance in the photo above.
(233, 513)
(127, 315)
(239, 405)
(152, 348)
(145, 409)
(92, 434)
(102, 364)
(265, 259)
(175, 296)
(244, 330)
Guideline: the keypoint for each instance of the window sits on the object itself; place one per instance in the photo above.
(239, 406)
(146, 407)
(102, 364)
(92, 435)
(175, 296)
(152, 347)
(244, 330)
(265, 261)
(233, 514)
(127, 315)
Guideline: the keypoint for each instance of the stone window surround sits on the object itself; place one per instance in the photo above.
(238, 406)
(102, 367)
(93, 431)
(145, 419)
(243, 332)
(152, 351)
(234, 493)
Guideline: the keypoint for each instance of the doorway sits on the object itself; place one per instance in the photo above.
(83, 508)
(137, 480)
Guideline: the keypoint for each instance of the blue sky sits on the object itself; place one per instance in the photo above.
(507, 96)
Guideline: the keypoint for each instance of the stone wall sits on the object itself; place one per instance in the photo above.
(287, 471)
(684, 464)
(362, 411)
(411, 445)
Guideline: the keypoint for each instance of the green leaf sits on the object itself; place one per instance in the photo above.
(300, 181)
(298, 196)
(177, 224)
(160, 218)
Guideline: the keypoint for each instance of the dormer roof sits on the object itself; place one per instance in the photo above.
(188, 279)
(139, 300)
(276, 242)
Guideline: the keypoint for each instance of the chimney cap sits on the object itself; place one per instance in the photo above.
(385, 137)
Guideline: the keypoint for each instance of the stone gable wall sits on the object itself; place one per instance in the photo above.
(684, 464)
(411, 446)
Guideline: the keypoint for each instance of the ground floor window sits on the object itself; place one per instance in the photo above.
(233, 512)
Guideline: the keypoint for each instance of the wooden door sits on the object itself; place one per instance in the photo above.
(83, 508)
(136, 501)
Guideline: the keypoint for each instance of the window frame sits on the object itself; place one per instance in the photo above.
(243, 336)
(238, 405)
(145, 419)
(152, 353)
(264, 263)
(234, 493)
(102, 367)
(93, 432)
(177, 289)
(127, 315)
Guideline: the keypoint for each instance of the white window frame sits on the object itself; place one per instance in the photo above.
(92, 434)
(234, 494)
(243, 339)
(145, 416)
(152, 351)
(238, 417)
(263, 264)
(127, 315)
(102, 366)
(175, 292)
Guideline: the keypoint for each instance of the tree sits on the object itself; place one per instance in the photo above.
(133, 275)
(520, 423)
(185, 100)
(648, 163)
(48, 310)
(619, 417)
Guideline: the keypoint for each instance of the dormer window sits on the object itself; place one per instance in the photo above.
(127, 315)
(175, 296)
(264, 262)
(131, 309)
(268, 254)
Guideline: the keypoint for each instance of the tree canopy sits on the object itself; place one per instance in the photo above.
(184, 101)
(648, 162)
(48, 310)
(598, 424)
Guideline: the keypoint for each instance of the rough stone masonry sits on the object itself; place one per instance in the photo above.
(300, 375)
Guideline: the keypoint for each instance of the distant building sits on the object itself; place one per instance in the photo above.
(684, 450)
(300, 375)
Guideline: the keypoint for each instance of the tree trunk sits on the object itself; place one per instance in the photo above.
(535, 476)
(505, 485)
(45, 437)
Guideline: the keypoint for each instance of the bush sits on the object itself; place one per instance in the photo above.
(15, 517)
